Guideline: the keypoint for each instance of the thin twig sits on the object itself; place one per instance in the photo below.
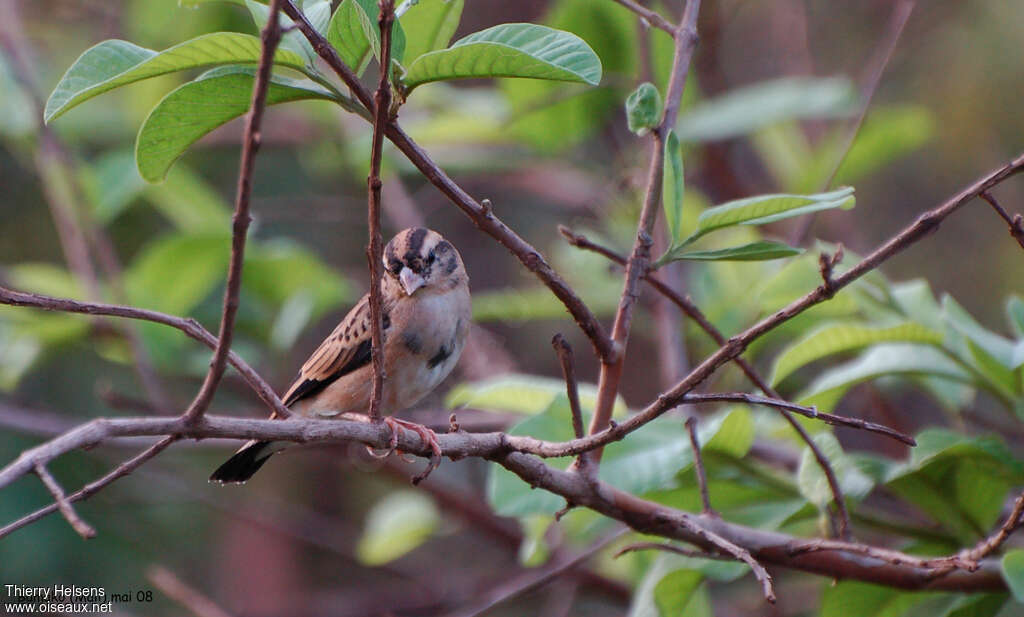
(685, 36)
(483, 217)
(901, 11)
(66, 509)
(698, 468)
(992, 543)
(740, 554)
(565, 358)
(90, 489)
(271, 36)
(1015, 223)
(189, 326)
(671, 548)
(694, 313)
(727, 555)
(184, 594)
(809, 412)
(652, 18)
(375, 248)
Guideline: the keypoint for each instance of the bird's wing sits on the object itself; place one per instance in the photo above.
(344, 351)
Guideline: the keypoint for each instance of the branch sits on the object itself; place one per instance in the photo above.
(651, 18)
(1016, 223)
(189, 326)
(992, 543)
(844, 560)
(900, 14)
(81, 527)
(564, 351)
(374, 251)
(636, 266)
(698, 468)
(88, 490)
(733, 347)
(271, 36)
(481, 215)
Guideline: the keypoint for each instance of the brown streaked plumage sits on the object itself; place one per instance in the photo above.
(426, 316)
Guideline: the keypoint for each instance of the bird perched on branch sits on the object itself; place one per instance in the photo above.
(425, 319)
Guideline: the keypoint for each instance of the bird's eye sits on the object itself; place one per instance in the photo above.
(431, 258)
(395, 267)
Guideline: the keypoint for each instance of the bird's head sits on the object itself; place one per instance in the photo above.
(420, 258)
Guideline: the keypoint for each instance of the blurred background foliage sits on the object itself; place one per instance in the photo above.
(934, 346)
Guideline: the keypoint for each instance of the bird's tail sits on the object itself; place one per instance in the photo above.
(247, 461)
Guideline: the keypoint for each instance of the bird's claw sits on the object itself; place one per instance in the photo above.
(428, 436)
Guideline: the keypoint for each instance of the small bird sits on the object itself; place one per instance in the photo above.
(425, 319)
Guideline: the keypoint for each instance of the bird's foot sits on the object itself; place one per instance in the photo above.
(429, 438)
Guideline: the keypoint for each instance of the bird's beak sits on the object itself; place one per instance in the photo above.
(410, 281)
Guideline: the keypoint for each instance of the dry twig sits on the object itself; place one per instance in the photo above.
(271, 36)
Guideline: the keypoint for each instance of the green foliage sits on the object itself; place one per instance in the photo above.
(1013, 573)
(523, 394)
(430, 24)
(643, 111)
(673, 188)
(197, 107)
(355, 34)
(838, 338)
(746, 109)
(509, 50)
(755, 251)
(759, 210)
(396, 525)
(113, 64)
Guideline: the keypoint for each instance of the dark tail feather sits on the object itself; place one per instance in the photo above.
(247, 461)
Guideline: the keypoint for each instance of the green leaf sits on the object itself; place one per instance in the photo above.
(429, 25)
(197, 107)
(554, 116)
(747, 109)
(857, 599)
(396, 525)
(510, 50)
(667, 589)
(1015, 314)
(643, 110)
(175, 273)
(961, 482)
(1000, 348)
(276, 270)
(525, 394)
(731, 434)
(512, 304)
(888, 133)
(318, 12)
(648, 460)
(111, 183)
(34, 327)
(189, 203)
(19, 351)
(838, 338)
(112, 64)
(355, 33)
(347, 33)
(1013, 573)
(673, 187)
(812, 481)
(881, 361)
(755, 251)
(764, 209)
(977, 605)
